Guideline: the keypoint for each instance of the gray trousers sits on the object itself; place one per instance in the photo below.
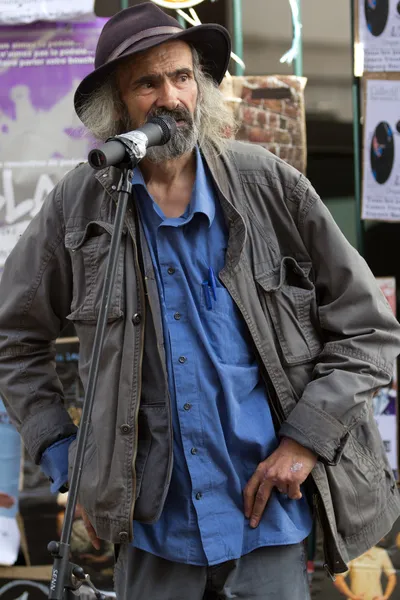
(271, 573)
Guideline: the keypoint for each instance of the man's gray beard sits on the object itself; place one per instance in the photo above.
(183, 142)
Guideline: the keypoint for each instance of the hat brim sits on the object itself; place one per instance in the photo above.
(211, 40)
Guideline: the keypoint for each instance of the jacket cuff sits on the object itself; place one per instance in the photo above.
(317, 431)
(46, 427)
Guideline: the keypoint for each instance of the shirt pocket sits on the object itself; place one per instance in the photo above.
(89, 250)
(226, 329)
(288, 296)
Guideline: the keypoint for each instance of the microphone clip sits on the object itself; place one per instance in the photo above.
(135, 143)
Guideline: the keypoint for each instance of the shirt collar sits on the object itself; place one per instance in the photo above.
(202, 200)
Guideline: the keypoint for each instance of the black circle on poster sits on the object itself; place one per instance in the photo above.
(398, 7)
(376, 14)
(382, 152)
(24, 590)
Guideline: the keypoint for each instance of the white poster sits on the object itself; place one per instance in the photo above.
(379, 34)
(381, 159)
(14, 12)
(385, 401)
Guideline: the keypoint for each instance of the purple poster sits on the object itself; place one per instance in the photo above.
(41, 138)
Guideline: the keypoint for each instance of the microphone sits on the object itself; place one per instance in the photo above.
(130, 148)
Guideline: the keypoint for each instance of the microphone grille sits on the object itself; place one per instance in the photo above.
(168, 126)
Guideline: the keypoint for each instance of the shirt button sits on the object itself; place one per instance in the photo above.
(177, 316)
(199, 496)
(171, 270)
(137, 317)
(187, 406)
(182, 359)
(193, 451)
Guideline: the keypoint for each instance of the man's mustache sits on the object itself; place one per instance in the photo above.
(178, 114)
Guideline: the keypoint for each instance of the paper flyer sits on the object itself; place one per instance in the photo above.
(381, 154)
(14, 12)
(379, 34)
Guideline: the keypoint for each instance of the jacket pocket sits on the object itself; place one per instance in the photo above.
(288, 296)
(89, 250)
(359, 486)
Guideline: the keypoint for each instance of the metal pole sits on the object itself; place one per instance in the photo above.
(298, 61)
(237, 34)
(124, 4)
(356, 99)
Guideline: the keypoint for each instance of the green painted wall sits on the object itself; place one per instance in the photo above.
(345, 215)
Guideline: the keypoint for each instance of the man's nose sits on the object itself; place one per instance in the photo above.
(168, 96)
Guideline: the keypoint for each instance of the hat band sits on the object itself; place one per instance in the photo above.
(153, 31)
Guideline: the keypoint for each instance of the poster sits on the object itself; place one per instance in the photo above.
(381, 153)
(41, 138)
(373, 576)
(13, 12)
(10, 463)
(379, 34)
(385, 401)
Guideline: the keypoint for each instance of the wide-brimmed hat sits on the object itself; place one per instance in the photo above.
(144, 26)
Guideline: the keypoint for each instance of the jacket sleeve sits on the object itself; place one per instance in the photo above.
(360, 333)
(35, 298)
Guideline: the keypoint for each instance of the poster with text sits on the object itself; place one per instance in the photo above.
(381, 154)
(41, 138)
(379, 34)
(385, 401)
(14, 12)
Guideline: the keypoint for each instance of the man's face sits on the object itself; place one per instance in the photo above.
(161, 82)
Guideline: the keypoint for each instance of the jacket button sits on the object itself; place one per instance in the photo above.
(125, 428)
(123, 537)
(137, 317)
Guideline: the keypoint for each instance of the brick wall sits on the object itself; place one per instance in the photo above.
(270, 111)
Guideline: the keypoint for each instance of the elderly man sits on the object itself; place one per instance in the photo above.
(245, 340)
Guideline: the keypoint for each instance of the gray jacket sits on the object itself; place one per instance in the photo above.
(324, 334)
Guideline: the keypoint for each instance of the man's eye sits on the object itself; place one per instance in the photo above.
(183, 78)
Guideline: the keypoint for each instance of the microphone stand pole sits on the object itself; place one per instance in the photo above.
(67, 577)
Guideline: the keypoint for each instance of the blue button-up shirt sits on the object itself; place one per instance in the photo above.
(221, 418)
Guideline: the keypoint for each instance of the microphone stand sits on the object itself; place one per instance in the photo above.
(67, 577)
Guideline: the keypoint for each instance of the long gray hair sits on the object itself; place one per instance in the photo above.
(104, 114)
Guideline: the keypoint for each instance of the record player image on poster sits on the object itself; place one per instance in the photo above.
(379, 34)
(381, 159)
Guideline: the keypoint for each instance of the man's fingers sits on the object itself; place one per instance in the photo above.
(262, 497)
(90, 531)
(294, 491)
(249, 493)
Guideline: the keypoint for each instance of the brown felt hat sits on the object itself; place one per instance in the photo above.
(144, 26)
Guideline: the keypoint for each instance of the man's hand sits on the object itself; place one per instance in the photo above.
(6, 501)
(286, 469)
(90, 530)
